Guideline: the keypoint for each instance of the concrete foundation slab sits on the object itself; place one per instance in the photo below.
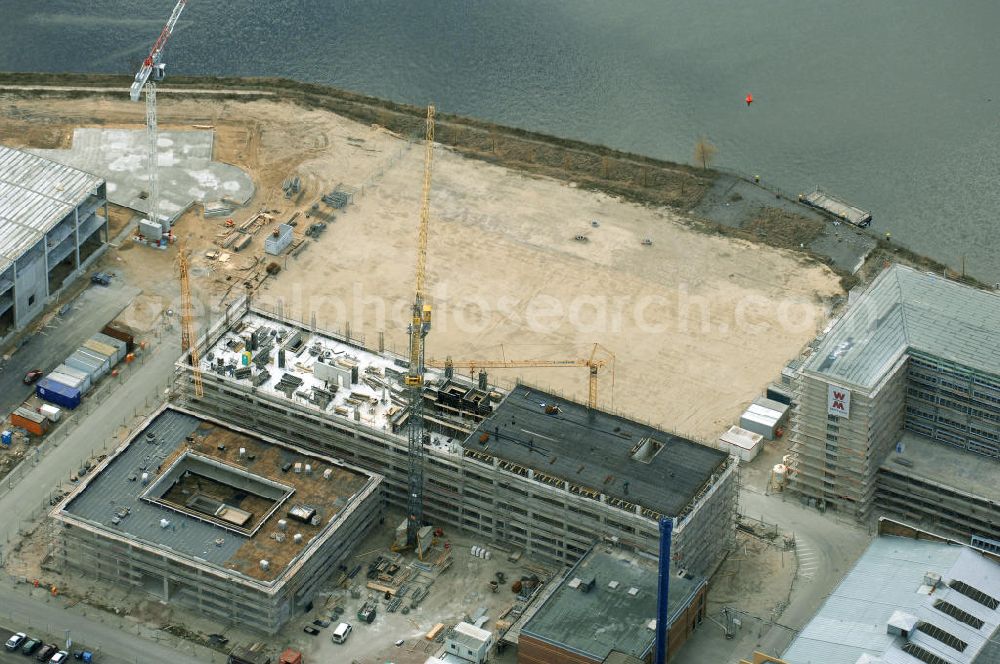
(187, 173)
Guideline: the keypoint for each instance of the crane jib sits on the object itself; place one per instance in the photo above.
(155, 53)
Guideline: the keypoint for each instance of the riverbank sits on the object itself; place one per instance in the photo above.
(713, 201)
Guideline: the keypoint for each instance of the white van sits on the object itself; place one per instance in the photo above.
(341, 633)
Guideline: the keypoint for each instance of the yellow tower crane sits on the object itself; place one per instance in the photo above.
(420, 325)
(599, 357)
(188, 339)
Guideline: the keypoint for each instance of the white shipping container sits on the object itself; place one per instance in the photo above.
(88, 365)
(67, 380)
(120, 346)
(757, 423)
(51, 412)
(742, 443)
(103, 349)
(66, 369)
(104, 365)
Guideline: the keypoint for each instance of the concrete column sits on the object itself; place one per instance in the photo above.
(13, 292)
(107, 216)
(76, 234)
(45, 249)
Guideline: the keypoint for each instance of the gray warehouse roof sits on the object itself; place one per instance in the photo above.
(593, 449)
(606, 618)
(906, 309)
(888, 584)
(35, 195)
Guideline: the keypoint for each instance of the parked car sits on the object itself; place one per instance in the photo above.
(46, 652)
(15, 641)
(309, 629)
(59, 658)
(341, 633)
(32, 376)
(102, 278)
(320, 622)
(30, 646)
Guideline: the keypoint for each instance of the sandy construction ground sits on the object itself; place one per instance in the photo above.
(698, 323)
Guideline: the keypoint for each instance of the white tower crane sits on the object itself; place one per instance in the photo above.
(151, 72)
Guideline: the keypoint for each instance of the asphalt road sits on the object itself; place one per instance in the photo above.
(60, 337)
(826, 548)
(97, 424)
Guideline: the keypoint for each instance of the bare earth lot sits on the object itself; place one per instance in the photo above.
(698, 323)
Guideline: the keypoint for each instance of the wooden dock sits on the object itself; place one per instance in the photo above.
(838, 208)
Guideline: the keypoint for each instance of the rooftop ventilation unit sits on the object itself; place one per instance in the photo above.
(302, 513)
(901, 624)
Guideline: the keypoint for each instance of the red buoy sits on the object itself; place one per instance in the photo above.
(749, 99)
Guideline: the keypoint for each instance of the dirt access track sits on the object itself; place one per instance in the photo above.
(541, 266)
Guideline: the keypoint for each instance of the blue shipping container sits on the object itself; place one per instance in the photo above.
(57, 393)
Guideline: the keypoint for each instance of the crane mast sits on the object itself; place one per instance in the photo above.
(152, 71)
(420, 325)
(188, 339)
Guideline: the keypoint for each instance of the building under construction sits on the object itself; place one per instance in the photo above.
(898, 408)
(604, 609)
(53, 223)
(240, 528)
(525, 469)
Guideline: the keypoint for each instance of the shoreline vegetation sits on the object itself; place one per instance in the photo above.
(632, 177)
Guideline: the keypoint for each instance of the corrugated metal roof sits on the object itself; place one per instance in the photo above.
(887, 578)
(904, 309)
(35, 194)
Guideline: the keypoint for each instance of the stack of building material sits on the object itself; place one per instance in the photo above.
(242, 241)
(279, 240)
(766, 417)
(741, 443)
(292, 186)
(340, 197)
(218, 209)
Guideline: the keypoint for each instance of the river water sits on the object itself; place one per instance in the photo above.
(891, 104)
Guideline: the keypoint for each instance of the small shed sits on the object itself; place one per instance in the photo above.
(741, 443)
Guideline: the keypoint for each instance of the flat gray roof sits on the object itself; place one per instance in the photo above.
(117, 485)
(903, 309)
(606, 619)
(592, 449)
(35, 194)
(888, 578)
(942, 463)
